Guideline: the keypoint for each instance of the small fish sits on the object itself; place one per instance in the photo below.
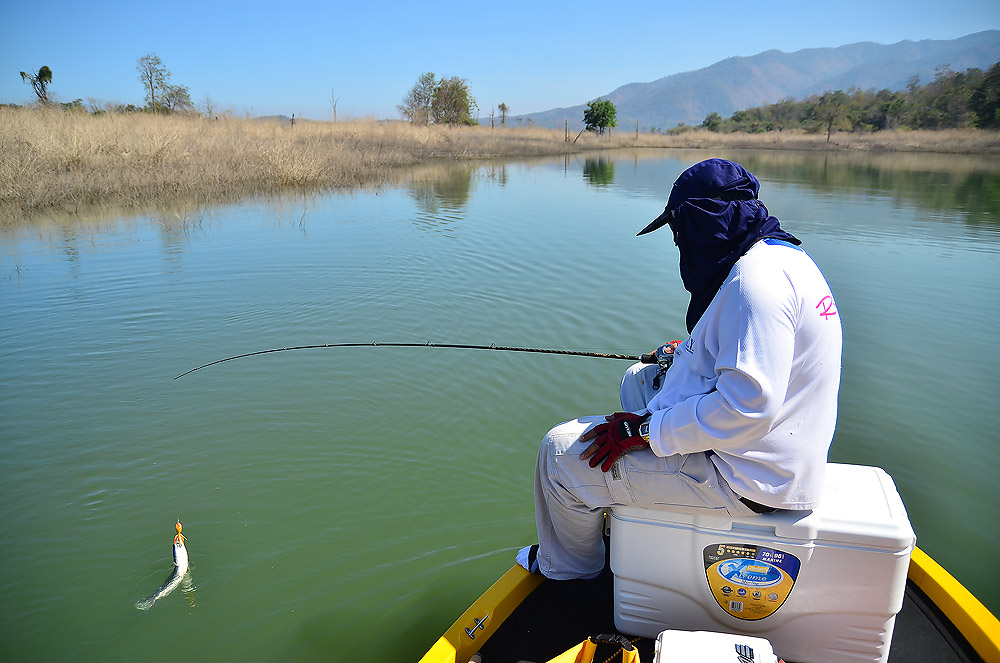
(180, 569)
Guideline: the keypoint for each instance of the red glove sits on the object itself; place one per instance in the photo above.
(616, 438)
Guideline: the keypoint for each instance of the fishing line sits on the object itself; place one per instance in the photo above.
(646, 359)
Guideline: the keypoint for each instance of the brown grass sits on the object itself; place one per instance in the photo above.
(949, 141)
(54, 161)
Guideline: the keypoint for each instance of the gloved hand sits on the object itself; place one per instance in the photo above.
(663, 355)
(614, 439)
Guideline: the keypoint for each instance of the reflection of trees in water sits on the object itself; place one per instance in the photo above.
(442, 200)
(495, 172)
(70, 248)
(175, 233)
(937, 182)
(599, 171)
(947, 183)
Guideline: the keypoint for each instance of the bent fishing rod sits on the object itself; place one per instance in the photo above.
(651, 358)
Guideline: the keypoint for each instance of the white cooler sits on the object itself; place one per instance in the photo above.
(821, 586)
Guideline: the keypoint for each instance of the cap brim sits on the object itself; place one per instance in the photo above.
(656, 223)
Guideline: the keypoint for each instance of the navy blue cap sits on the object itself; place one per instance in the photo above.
(715, 179)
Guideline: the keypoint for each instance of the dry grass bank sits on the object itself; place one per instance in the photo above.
(59, 161)
(949, 141)
(53, 160)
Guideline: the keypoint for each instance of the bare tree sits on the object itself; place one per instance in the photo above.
(153, 76)
(333, 102)
(97, 106)
(208, 106)
(39, 83)
(416, 106)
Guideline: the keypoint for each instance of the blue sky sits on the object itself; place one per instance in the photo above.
(284, 57)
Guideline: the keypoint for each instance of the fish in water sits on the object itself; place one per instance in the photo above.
(175, 579)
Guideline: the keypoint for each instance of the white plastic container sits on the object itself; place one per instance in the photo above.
(822, 586)
(707, 647)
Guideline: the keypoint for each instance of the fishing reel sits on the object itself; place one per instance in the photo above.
(662, 358)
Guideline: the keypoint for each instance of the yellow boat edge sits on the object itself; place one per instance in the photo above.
(977, 624)
(460, 642)
(483, 617)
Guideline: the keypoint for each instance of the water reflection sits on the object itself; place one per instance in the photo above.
(938, 183)
(962, 188)
(174, 233)
(71, 250)
(599, 171)
(442, 200)
(495, 172)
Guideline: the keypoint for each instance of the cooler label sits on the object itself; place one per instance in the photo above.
(749, 582)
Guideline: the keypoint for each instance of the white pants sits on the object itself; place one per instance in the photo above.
(571, 496)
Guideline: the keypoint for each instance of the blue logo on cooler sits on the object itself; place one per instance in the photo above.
(750, 572)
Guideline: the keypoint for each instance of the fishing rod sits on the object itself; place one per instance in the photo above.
(651, 358)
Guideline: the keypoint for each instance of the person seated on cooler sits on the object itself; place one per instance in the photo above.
(743, 420)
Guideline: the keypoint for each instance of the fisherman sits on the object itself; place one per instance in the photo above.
(743, 420)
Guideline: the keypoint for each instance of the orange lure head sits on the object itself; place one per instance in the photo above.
(180, 537)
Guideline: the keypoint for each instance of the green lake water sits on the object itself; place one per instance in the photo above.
(363, 497)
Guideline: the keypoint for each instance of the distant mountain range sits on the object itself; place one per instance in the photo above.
(745, 82)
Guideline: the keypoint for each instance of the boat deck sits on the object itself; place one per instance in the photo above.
(558, 615)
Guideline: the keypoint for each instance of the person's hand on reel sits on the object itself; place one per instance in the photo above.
(663, 355)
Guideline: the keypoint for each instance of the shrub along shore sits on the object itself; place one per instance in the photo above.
(55, 161)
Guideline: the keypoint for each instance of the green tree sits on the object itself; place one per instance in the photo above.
(968, 99)
(599, 115)
(895, 111)
(176, 98)
(784, 114)
(985, 99)
(947, 99)
(452, 102)
(829, 111)
(504, 109)
(154, 78)
(750, 120)
(416, 106)
(39, 83)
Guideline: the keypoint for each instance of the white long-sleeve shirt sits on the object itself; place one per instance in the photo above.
(757, 381)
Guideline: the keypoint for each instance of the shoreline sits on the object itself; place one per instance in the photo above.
(57, 162)
(945, 141)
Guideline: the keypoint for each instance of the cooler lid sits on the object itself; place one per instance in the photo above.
(860, 506)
